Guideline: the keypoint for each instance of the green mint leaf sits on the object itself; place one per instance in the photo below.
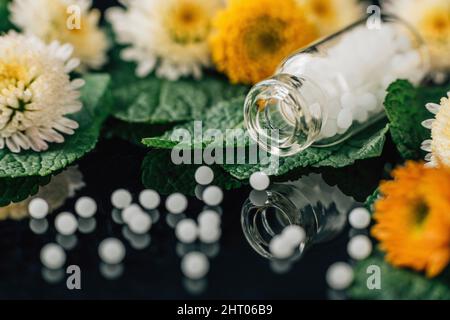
(370, 201)
(222, 116)
(159, 173)
(398, 284)
(405, 108)
(18, 189)
(96, 108)
(159, 101)
(5, 25)
(229, 115)
(132, 132)
(367, 144)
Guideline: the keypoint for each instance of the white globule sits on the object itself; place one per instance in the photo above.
(259, 181)
(140, 223)
(345, 119)
(111, 251)
(258, 198)
(213, 196)
(129, 212)
(66, 223)
(186, 231)
(368, 101)
(176, 203)
(294, 235)
(359, 247)
(329, 129)
(85, 207)
(355, 84)
(38, 208)
(204, 175)
(121, 198)
(280, 248)
(209, 218)
(53, 256)
(339, 276)
(195, 265)
(359, 218)
(209, 234)
(149, 199)
(348, 101)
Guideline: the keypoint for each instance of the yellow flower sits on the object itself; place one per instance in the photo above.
(413, 218)
(252, 37)
(432, 19)
(67, 21)
(332, 15)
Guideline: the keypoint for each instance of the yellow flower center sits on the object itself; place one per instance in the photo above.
(188, 22)
(436, 23)
(264, 37)
(420, 214)
(321, 8)
(11, 74)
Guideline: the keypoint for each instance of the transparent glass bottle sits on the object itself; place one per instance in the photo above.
(334, 88)
(321, 210)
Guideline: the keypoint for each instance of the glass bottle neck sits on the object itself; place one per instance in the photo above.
(285, 114)
(309, 203)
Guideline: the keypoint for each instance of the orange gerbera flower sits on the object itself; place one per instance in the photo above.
(413, 218)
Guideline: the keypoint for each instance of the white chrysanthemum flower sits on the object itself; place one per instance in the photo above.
(36, 92)
(439, 144)
(332, 15)
(431, 18)
(66, 21)
(170, 36)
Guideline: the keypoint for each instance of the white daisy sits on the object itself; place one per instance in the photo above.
(169, 36)
(431, 18)
(36, 92)
(439, 144)
(57, 20)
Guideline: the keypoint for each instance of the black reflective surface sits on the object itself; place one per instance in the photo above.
(237, 272)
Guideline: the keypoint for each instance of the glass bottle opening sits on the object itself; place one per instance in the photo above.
(261, 223)
(280, 117)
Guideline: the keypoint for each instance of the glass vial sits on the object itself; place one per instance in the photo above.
(321, 210)
(334, 88)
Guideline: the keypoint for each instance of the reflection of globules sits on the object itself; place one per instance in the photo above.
(309, 202)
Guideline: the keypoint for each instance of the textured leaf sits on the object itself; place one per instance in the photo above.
(370, 201)
(96, 107)
(229, 115)
(159, 173)
(160, 101)
(367, 144)
(398, 284)
(5, 25)
(224, 115)
(132, 132)
(18, 189)
(405, 108)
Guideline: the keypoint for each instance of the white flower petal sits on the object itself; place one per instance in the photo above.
(428, 123)
(433, 107)
(36, 93)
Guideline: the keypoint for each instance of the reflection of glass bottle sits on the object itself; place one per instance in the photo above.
(309, 202)
(333, 89)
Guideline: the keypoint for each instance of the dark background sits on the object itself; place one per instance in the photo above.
(236, 273)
